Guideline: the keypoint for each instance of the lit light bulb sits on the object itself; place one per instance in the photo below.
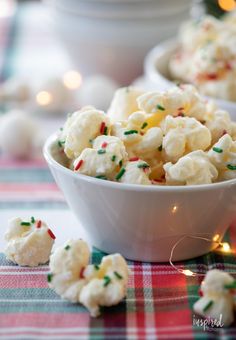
(44, 98)
(227, 5)
(72, 80)
(216, 237)
(225, 247)
(188, 272)
(174, 209)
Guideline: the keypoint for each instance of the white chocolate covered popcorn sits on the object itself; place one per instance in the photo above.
(107, 283)
(217, 301)
(168, 126)
(219, 123)
(29, 243)
(183, 135)
(183, 100)
(136, 172)
(223, 156)
(206, 56)
(194, 168)
(123, 103)
(74, 279)
(66, 268)
(103, 158)
(81, 128)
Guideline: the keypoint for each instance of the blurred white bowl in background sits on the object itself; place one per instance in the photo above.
(112, 37)
(157, 76)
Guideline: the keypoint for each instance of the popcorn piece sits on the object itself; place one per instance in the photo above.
(81, 128)
(218, 124)
(223, 156)
(67, 264)
(135, 172)
(182, 135)
(217, 301)
(92, 285)
(107, 283)
(194, 168)
(183, 100)
(103, 159)
(28, 243)
(123, 103)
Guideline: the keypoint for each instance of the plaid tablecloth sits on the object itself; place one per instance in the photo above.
(159, 299)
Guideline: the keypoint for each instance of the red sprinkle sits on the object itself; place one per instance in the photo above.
(228, 66)
(224, 132)
(133, 159)
(79, 165)
(81, 274)
(211, 76)
(102, 128)
(39, 223)
(200, 292)
(51, 234)
(141, 133)
(104, 145)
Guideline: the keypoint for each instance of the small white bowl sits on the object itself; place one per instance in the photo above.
(144, 222)
(157, 74)
(113, 37)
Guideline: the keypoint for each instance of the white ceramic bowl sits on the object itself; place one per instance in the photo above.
(157, 74)
(144, 222)
(113, 37)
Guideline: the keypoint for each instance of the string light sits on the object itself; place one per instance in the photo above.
(72, 80)
(227, 5)
(174, 209)
(44, 98)
(225, 247)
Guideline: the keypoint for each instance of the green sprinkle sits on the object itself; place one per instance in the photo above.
(27, 224)
(101, 177)
(113, 158)
(105, 131)
(90, 141)
(130, 132)
(120, 163)
(159, 107)
(120, 277)
(107, 280)
(208, 305)
(61, 128)
(231, 167)
(160, 148)
(67, 247)
(49, 277)
(219, 150)
(143, 166)
(230, 285)
(101, 151)
(60, 143)
(144, 125)
(120, 174)
(96, 266)
(32, 219)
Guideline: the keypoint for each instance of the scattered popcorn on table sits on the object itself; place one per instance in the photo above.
(172, 134)
(29, 243)
(74, 279)
(217, 300)
(17, 134)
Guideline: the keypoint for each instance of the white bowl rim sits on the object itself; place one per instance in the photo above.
(125, 186)
(152, 72)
